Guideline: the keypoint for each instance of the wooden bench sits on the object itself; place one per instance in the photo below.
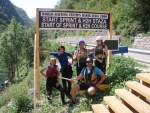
(99, 108)
(144, 78)
(138, 104)
(139, 88)
(116, 105)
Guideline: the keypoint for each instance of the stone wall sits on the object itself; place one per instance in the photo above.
(141, 43)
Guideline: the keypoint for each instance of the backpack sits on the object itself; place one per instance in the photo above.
(52, 72)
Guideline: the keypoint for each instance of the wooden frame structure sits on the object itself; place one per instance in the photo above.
(36, 45)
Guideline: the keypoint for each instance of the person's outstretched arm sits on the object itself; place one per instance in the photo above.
(45, 52)
(90, 50)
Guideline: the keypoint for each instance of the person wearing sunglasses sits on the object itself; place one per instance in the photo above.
(92, 78)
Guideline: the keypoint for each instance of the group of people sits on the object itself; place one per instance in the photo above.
(89, 77)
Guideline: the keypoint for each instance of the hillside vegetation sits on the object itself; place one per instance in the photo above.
(8, 10)
(129, 16)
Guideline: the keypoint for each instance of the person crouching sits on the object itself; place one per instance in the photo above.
(52, 73)
(92, 76)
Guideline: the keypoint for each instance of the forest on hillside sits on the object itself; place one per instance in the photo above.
(8, 11)
(130, 17)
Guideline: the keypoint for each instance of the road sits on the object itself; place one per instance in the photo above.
(141, 58)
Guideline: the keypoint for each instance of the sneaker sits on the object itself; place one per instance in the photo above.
(71, 103)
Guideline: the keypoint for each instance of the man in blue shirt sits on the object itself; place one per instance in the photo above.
(92, 77)
(66, 68)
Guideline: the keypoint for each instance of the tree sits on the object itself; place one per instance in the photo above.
(12, 48)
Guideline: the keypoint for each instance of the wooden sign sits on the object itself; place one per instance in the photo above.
(73, 20)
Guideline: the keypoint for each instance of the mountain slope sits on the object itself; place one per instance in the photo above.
(8, 10)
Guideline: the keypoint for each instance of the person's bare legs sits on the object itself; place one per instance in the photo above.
(73, 92)
(91, 90)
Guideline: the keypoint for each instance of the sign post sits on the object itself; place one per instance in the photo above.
(37, 56)
(110, 37)
(64, 19)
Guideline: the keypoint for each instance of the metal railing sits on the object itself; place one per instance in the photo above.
(131, 50)
(141, 51)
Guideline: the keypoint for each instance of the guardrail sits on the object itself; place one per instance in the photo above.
(146, 52)
(141, 51)
(131, 50)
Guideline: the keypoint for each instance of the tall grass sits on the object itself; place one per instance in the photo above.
(17, 94)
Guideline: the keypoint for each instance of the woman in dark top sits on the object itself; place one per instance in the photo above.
(100, 54)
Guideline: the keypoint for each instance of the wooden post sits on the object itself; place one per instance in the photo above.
(35, 74)
(37, 56)
(110, 37)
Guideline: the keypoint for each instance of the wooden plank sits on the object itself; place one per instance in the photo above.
(138, 104)
(116, 105)
(99, 108)
(141, 89)
(144, 77)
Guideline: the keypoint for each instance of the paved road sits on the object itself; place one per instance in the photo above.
(142, 58)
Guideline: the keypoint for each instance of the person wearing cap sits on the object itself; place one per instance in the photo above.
(66, 68)
(92, 77)
(80, 55)
(100, 54)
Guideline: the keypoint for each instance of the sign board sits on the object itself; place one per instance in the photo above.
(73, 20)
(112, 44)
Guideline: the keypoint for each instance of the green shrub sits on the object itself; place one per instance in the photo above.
(17, 89)
(122, 69)
(21, 101)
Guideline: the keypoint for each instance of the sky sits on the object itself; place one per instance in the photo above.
(30, 5)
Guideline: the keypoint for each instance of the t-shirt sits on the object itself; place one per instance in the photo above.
(63, 58)
(56, 68)
(97, 71)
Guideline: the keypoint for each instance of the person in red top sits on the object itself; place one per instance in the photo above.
(52, 73)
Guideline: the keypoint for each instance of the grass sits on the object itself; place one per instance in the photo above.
(120, 72)
(16, 94)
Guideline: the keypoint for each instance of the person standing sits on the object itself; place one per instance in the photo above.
(80, 55)
(100, 54)
(66, 68)
(52, 73)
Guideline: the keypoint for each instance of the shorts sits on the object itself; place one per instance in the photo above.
(84, 86)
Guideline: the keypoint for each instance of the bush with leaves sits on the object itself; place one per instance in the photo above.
(21, 101)
(122, 69)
